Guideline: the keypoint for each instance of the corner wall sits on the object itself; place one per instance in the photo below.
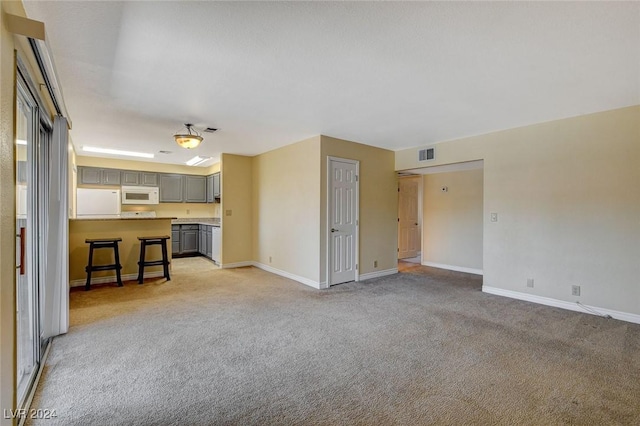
(237, 209)
(452, 220)
(568, 204)
(378, 206)
(286, 205)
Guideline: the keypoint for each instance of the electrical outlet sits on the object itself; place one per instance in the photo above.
(575, 290)
(494, 217)
(269, 259)
(227, 212)
(375, 263)
(188, 211)
(530, 282)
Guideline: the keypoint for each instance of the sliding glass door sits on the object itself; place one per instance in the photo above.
(32, 178)
(26, 251)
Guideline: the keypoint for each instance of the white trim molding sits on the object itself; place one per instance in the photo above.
(112, 278)
(454, 268)
(571, 306)
(377, 274)
(303, 280)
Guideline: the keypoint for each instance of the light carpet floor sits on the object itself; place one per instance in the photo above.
(242, 346)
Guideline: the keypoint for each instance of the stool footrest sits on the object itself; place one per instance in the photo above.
(154, 262)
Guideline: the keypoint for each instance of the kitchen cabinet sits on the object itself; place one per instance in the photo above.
(148, 179)
(175, 239)
(136, 178)
(210, 197)
(213, 188)
(202, 240)
(195, 189)
(184, 239)
(98, 176)
(216, 185)
(171, 188)
(188, 239)
(216, 244)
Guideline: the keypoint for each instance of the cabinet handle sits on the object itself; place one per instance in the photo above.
(22, 235)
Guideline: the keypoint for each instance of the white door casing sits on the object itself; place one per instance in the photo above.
(342, 220)
(409, 243)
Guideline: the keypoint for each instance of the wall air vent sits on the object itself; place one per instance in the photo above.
(426, 154)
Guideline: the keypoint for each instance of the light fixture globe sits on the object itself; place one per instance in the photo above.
(188, 140)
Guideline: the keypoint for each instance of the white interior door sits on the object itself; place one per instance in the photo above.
(408, 218)
(343, 220)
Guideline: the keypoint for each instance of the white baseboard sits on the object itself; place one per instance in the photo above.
(572, 306)
(377, 274)
(112, 278)
(454, 268)
(303, 280)
(236, 264)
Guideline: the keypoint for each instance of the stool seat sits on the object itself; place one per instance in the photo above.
(149, 241)
(98, 243)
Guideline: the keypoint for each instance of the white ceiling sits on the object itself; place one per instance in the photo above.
(387, 74)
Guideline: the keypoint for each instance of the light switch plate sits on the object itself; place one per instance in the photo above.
(227, 212)
(494, 217)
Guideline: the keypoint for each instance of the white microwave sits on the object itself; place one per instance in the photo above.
(140, 195)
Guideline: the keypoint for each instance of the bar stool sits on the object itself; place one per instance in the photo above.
(149, 241)
(103, 243)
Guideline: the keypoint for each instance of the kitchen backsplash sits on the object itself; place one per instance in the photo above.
(179, 210)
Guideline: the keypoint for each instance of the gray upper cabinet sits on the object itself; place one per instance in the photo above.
(210, 197)
(136, 178)
(148, 179)
(89, 175)
(98, 176)
(216, 185)
(171, 188)
(195, 189)
(130, 177)
(110, 177)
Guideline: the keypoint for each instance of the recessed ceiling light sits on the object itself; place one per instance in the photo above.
(197, 160)
(21, 142)
(116, 152)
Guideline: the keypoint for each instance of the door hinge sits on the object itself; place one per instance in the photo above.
(356, 178)
(398, 249)
(356, 266)
(398, 219)
(398, 189)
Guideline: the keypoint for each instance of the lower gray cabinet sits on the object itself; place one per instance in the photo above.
(184, 239)
(188, 239)
(175, 239)
(209, 246)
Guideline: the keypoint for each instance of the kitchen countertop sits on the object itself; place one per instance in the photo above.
(214, 221)
(124, 218)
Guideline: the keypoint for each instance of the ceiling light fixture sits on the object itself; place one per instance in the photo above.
(116, 152)
(188, 140)
(197, 160)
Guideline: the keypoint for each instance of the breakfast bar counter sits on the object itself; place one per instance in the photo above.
(129, 229)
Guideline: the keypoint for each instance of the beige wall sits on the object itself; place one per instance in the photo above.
(378, 204)
(180, 210)
(7, 218)
(286, 205)
(236, 209)
(568, 204)
(452, 220)
(129, 248)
